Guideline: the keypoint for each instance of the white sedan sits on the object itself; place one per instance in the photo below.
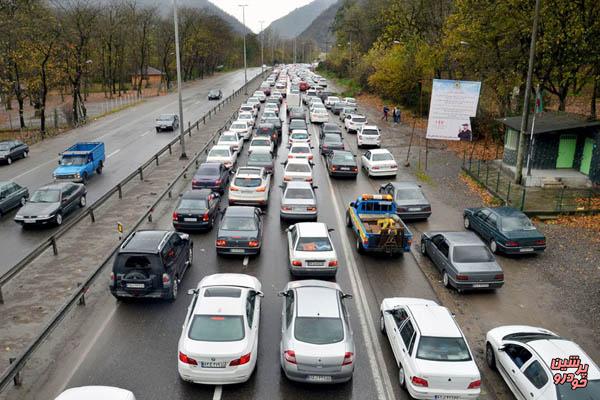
(232, 139)
(379, 162)
(524, 357)
(241, 127)
(297, 169)
(222, 154)
(311, 250)
(261, 144)
(433, 358)
(219, 339)
(254, 101)
(246, 116)
(300, 150)
(260, 95)
(248, 108)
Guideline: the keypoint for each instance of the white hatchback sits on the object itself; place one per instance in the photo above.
(222, 154)
(250, 186)
(311, 250)
(249, 108)
(297, 169)
(354, 122)
(368, 135)
(379, 162)
(219, 339)
(433, 358)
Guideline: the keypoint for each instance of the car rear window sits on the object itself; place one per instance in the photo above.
(383, 157)
(219, 153)
(510, 224)
(208, 170)
(217, 328)
(193, 203)
(343, 157)
(299, 194)
(409, 194)
(588, 392)
(443, 349)
(238, 224)
(314, 244)
(332, 138)
(297, 168)
(136, 261)
(261, 157)
(260, 142)
(471, 254)
(222, 292)
(299, 136)
(317, 330)
(247, 182)
(300, 150)
(370, 132)
(239, 126)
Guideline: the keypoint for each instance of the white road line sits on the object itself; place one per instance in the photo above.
(245, 262)
(113, 153)
(145, 133)
(218, 393)
(34, 169)
(378, 366)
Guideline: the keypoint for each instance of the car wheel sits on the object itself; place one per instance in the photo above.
(190, 256)
(82, 201)
(467, 223)
(25, 154)
(23, 201)
(359, 246)
(58, 219)
(445, 279)
(382, 323)
(494, 246)
(401, 376)
(423, 248)
(99, 169)
(9, 160)
(174, 290)
(490, 357)
(84, 178)
(348, 221)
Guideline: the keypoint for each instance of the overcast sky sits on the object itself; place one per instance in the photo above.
(259, 10)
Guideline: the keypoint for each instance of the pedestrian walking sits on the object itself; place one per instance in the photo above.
(397, 115)
(386, 111)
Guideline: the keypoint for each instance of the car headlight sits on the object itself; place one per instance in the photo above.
(77, 175)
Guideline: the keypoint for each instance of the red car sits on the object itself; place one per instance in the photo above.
(303, 86)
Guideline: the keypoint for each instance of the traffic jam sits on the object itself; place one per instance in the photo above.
(268, 192)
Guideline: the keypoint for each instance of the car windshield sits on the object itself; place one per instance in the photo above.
(260, 157)
(219, 153)
(589, 392)
(193, 203)
(409, 194)
(77, 160)
(238, 224)
(343, 158)
(359, 119)
(370, 132)
(239, 126)
(165, 118)
(316, 330)
(260, 142)
(4, 147)
(297, 168)
(217, 328)
(314, 244)
(45, 196)
(301, 150)
(521, 223)
(247, 182)
(443, 349)
(299, 194)
(207, 171)
(382, 157)
(472, 254)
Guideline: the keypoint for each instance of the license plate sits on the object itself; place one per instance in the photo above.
(318, 378)
(526, 250)
(414, 209)
(480, 285)
(29, 221)
(314, 263)
(445, 397)
(213, 364)
(163, 127)
(236, 250)
(344, 169)
(190, 219)
(136, 285)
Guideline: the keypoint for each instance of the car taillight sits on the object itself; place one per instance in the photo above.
(419, 381)
(402, 209)
(220, 243)
(175, 216)
(166, 279)
(218, 181)
(261, 189)
(286, 208)
(427, 208)
(475, 384)
(511, 243)
(354, 169)
(112, 276)
(310, 157)
(195, 181)
(541, 242)
(287, 178)
(233, 189)
(296, 263)
(499, 277)
(393, 166)
(333, 168)
(334, 264)
(348, 358)
(245, 359)
(187, 360)
(205, 217)
(462, 278)
(290, 156)
(309, 179)
(311, 209)
(290, 356)
(253, 243)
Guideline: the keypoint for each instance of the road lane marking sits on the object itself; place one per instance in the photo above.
(374, 350)
(34, 169)
(113, 153)
(218, 393)
(145, 133)
(245, 262)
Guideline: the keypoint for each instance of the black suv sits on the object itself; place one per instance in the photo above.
(151, 264)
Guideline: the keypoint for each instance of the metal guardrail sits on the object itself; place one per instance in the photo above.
(17, 364)
(50, 242)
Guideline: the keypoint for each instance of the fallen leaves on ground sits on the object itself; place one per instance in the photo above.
(589, 222)
(475, 187)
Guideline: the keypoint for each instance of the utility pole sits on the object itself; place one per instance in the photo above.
(525, 116)
(183, 155)
(245, 61)
(262, 47)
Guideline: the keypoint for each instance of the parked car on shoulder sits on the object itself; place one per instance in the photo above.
(151, 264)
(11, 150)
(410, 200)
(505, 229)
(215, 94)
(12, 195)
(211, 175)
(196, 210)
(317, 343)
(433, 358)
(51, 203)
(167, 122)
(341, 163)
(240, 231)
(219, 339)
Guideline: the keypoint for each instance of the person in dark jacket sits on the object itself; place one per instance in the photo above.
(386, 111)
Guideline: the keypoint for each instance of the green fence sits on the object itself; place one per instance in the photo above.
(531, 200)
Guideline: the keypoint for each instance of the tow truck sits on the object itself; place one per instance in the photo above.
(377, 226)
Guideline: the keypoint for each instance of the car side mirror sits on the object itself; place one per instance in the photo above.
(259, 293)
(331, 230)
(347, 296)
(192, 292)
(502, 348)
(282, 294)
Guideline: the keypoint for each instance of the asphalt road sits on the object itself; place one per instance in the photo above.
(135, 346)
(130, 140)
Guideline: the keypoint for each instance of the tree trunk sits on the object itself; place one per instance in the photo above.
(593, 102)
(19, 95)
(43, 96)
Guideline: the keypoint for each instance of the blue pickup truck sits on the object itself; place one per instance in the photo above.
(378, 229)
(80, 161)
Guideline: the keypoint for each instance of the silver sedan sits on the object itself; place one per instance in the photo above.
(317, 345)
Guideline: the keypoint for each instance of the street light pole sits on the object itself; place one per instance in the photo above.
(525, 116)
(245, 61)
(294, 50)
(262, 47)
(183, 155)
